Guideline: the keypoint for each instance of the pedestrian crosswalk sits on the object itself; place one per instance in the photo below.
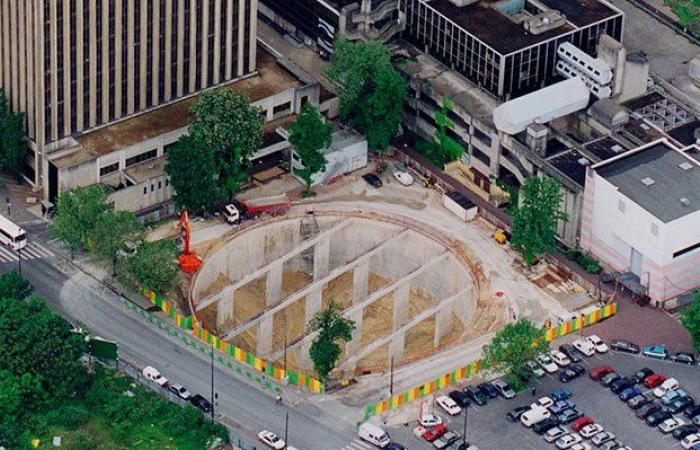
(357, 444)
(31, 251)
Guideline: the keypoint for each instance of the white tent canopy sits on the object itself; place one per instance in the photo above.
(541, 106)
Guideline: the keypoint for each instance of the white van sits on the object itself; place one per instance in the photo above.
(374, 435)
(152, 374)
(535, 415)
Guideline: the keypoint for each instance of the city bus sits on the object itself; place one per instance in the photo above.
(12, 235)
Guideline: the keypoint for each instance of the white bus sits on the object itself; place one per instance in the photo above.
(12, 235)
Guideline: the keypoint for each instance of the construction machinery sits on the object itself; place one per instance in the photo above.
(189, 261)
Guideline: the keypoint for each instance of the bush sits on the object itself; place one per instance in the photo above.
(70, 416)
(588, 263)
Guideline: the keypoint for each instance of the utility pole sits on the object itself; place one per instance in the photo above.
(19, 260)
(464, 433)
(286, 428)
(212, 381)
(391, 377)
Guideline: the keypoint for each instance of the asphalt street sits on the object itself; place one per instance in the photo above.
(80, 298)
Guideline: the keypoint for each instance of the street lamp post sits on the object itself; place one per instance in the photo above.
(464, 433)
(212, 381)
(286, 428)
(391, 378)
(19, 260)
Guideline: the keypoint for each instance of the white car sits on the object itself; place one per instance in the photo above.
(448, 405)
(584, 346)
(180, 390)
(561, 359)
(430, 420)
(670, 424)
(690, 441)
(591, 430)
(666, 386)
(582, 446)
(553, 434)
(535, 369)
(568, 440)
(404, 178)
(154, 375)
(547, 364)
(543, 402)
(599, 345)
(271, 440)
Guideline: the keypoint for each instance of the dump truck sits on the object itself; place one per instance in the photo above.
(240, 210)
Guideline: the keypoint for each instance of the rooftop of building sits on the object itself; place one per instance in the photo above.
(658, 177)
(270, 78)
(146, 170)
(572, 164)
(685, 134)
(505, 35)
(605, 148)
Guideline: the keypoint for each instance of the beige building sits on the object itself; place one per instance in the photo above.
(75, 66)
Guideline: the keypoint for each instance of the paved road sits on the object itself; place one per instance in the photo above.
(78, 297)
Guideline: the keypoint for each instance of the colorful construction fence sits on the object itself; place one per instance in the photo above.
(236, 353)
(473, 368)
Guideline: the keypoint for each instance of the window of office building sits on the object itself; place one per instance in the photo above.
(141, 157)
(106, 170)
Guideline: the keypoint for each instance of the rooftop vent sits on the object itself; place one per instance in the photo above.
(685, 165)
(648, 181)
(583, 161)
(617, 148)
(685, 201)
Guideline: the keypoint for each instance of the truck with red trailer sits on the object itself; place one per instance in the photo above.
(240, 210)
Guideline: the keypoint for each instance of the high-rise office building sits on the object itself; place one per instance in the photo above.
(76, 65)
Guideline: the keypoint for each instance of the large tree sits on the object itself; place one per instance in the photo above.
(77, 211)
(691, 321)
(535, 219)
(331, 327)
(13, 148)
(512, 347)
(225, 121)
(309, 135)
(154, 266)
(112, 230)
(451, 149)
(371, 91)
(195, 186)
(13, 285)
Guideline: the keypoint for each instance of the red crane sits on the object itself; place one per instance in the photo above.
(189, 261)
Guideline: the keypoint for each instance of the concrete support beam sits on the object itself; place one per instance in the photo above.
(443, 325)
(273, 289)
(401, 305)
(312, 287)
(355, 344)
(360, 282)
(396, 347)
(224, 310)
(313, 304)
(203, 303)
(264, 337)
(322, 251)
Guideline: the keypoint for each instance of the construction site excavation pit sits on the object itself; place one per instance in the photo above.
(408, 292)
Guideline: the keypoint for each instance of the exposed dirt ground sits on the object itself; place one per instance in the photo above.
(289, 319)
(340, 290)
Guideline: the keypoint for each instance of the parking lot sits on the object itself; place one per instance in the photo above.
(488, 428)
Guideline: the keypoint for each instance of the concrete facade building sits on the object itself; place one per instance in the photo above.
(78, 65)
(642, 216)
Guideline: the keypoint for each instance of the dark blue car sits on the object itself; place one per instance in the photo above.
(560, 394)
(629, 393)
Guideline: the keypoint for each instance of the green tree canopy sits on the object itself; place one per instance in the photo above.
(77, 211)
(371, 91)
(451, 149)
(153, 266)
(513, 346)
(224, 121)
(691, 321)
(310, 135)
(13, 147)
(535, 219)
(331, 327)
(111, 232)
(195, 186)
(13, 285)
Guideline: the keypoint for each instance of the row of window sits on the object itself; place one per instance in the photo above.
(141, 157)
(153, 186)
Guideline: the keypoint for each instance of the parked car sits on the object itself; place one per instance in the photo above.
(448, 405)
(504, 389)
(553, 434)
(201, 403)
(629, 393)
(683, 358)
(671, 424)
(624, 346)
(546, 424)
(180, 391)
(679, 404)
(582, 446)
(434, 433)
(561, 405)
(584, 346)
(447, 439)
(690, 441)
(581, 422)
(535, 369)
(654, 380)
(152, 374)
(639, 401)
(373, 180)
(570, 351)
(645, 410)
(271, 440)
(692, 411)
(391, 446)
(476, 395)
(612, 445)
(684, 430)
(571, 372)
(459, 397)
(620, 385)
(429, 420)
(534, 415)
(673, 394)
(609, 378)
(561, 359)
(655, 351)
(602, 437)
(404, 178)
(669, 384)
(488, 389)
(568, 440)
(657, 417)
(598, 372)
(515, 413)
(547, 363)
(598, 344)
(641, 374)
(560, 394)
(569, 415)
(542, 402)
(591, 430)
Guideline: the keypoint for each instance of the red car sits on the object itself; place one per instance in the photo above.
(435, 432)
(599, 372)
(581, 422)
(654, 380)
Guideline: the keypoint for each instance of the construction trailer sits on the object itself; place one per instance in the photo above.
(347, 153)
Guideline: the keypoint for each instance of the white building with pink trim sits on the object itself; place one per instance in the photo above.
(641, 216)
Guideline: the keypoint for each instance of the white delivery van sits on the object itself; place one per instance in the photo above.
(534, 415)
(374, 435)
